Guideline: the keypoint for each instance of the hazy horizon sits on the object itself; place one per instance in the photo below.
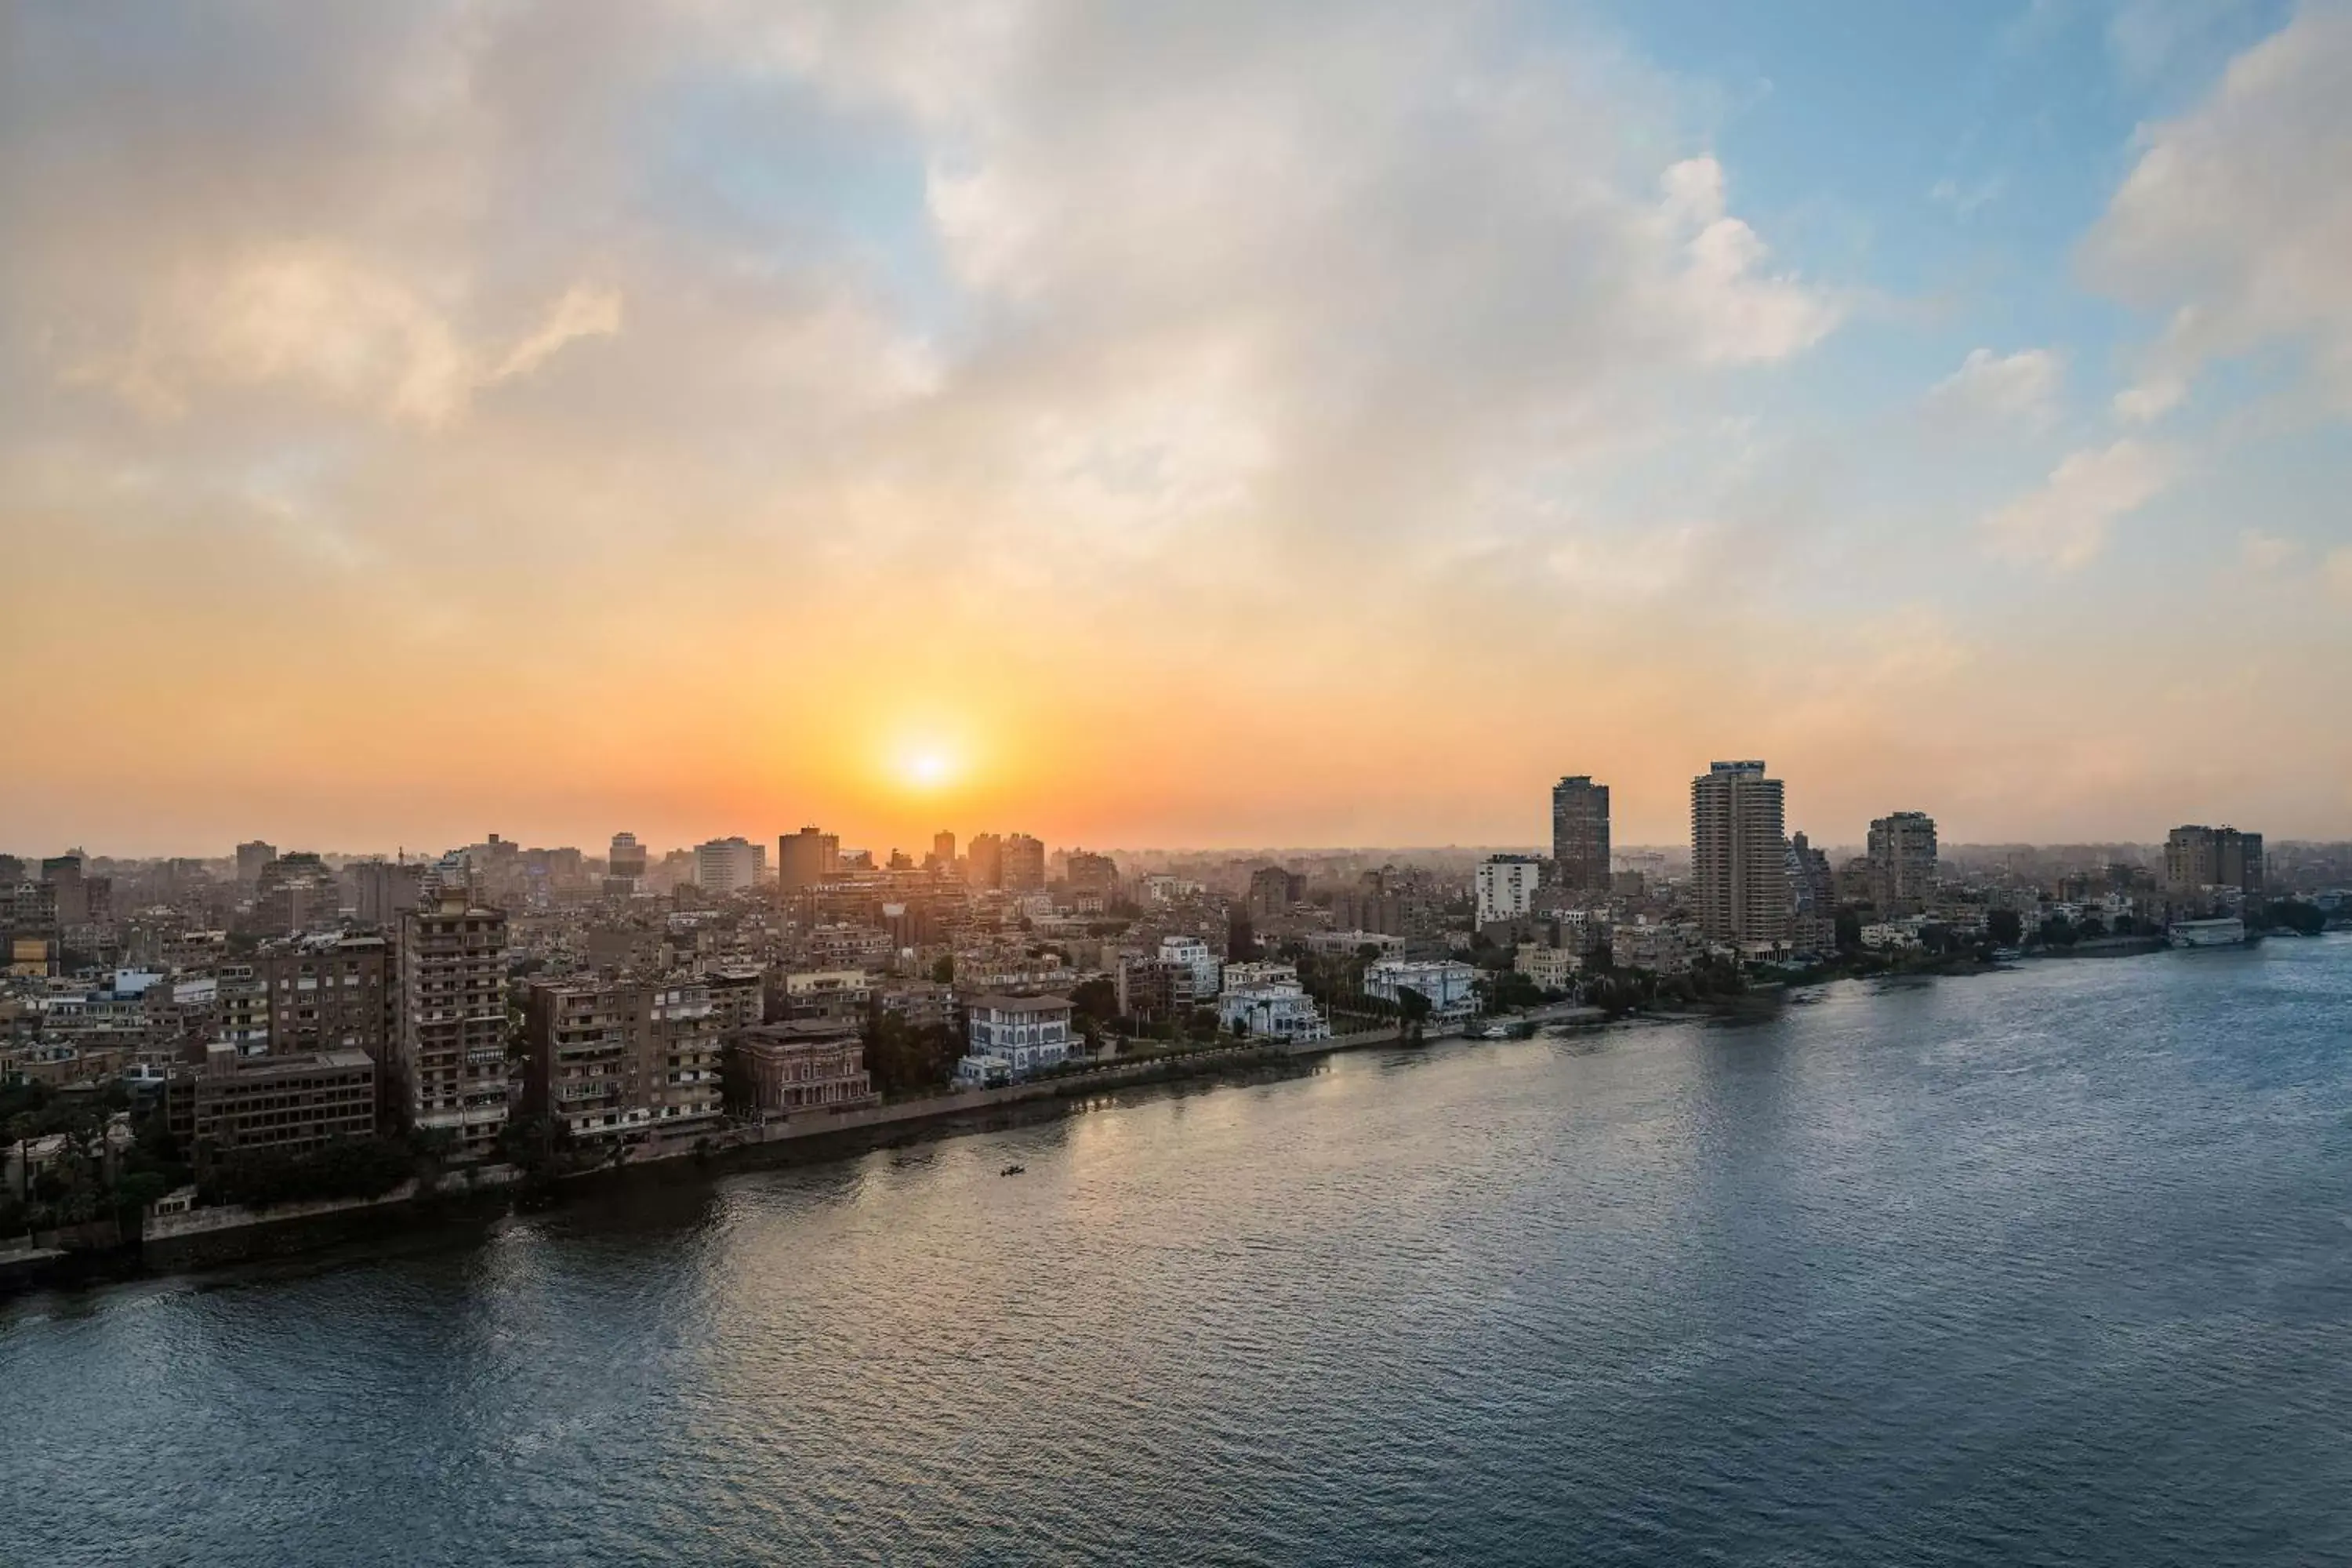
(1140, 424)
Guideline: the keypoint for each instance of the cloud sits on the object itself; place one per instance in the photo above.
(2066, 523)
(329, 322)
(583, 312)
(1965, 200)
(2023, 386)
(2150, 400)
(2337, 572)
(2265, 552)
(2236, 218)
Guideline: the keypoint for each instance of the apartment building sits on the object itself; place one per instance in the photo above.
(449, 1065)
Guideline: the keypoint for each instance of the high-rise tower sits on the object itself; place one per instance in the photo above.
(1579, 834)
(1739, 867)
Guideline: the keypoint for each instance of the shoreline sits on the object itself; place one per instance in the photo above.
(196, 1241)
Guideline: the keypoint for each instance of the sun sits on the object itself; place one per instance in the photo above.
(929, 769)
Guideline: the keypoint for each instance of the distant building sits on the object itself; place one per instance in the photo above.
(1665, 949)
(2195, 859)
(627, 857)
(984, 861)
(449, 1053)
(943, 850)
(918, 1003)
(1200, 967)
(1348, 943)
(1506, 886)
(1553, 968)
(1579, 834)
(1009, 1038)
(1024, 863)
(1902, 856)
(791, 1068)
(838, 995)
(1449, 985)
(804, 860)
(1091, 875)
(326, 993)
(383, 891)
(295, 892)
(723, 866)
(1273, 890)
(1739, 872)
(738, 995)
(251, 857)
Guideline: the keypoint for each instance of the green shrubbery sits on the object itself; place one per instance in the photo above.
(345, 1168)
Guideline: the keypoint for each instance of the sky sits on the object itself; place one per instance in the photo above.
(1214, 425)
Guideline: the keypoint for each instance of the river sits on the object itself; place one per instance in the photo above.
(2051, 1265)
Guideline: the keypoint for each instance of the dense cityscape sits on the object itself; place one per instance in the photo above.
(217, 1038)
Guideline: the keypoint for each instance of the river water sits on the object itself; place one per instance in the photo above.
(2048, 1265)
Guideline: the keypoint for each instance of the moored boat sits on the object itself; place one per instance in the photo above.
(2227, 931)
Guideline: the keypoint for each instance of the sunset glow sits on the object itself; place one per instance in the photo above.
(1262, 425)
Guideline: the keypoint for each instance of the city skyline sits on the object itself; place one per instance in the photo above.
(713, 417)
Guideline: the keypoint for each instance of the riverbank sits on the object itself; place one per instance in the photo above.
(191, 1240)
(194, 1239)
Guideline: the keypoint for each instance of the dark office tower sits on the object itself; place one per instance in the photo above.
(1579, 834)
(804, 860)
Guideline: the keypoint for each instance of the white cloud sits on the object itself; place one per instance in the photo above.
(2237, 219)
(2150, 400)
(1964, 200)
(2023, 386)
(2066, 523)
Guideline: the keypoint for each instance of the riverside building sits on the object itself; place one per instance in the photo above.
(449, 1055)
(1740, 871)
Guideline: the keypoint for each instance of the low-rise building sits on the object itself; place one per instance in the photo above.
(1009, 1038)
(918, 1003)
(289, 1103)
(1201, 966)
(1268, 999)
(1506, 887)
(1449, 985)
(1668, 948)
(817, 994)
(813, 1065)
(1553, 968)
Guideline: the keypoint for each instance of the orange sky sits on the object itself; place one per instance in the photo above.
(1192, 430)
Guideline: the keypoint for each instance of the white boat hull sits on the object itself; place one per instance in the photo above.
(2207, 933)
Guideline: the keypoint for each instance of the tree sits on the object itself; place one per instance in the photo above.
(943, 971)
(2006, 926)
(1095, 1001)
(1240, 936)
(1414, 1009)
(1848, 926)
(2302, 919)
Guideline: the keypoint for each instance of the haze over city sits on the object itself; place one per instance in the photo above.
(1209, 424)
